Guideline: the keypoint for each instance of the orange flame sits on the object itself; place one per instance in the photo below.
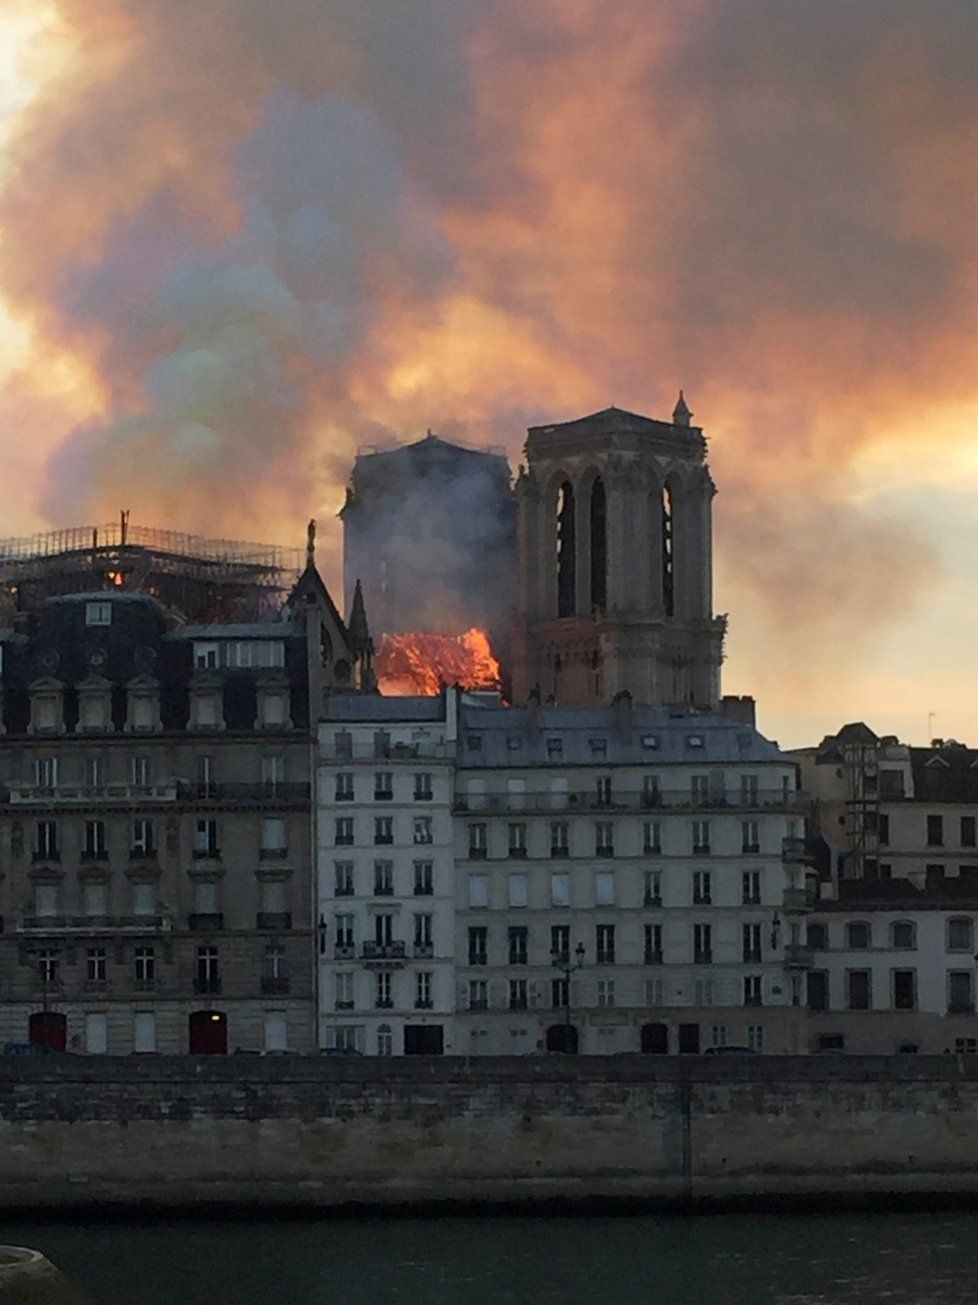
(415, 663)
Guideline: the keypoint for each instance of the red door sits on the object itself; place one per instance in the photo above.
(208, 1033)
(47, 1028)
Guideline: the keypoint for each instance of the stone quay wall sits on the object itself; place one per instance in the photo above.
(327, 1132)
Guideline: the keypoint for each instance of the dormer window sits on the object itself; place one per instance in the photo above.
(98, 613)
(206, 656)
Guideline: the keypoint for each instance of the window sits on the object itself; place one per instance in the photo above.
(703, 992)
(274, 902)
(47, 966)
(604, 935)
(604, 838)
(751, 944)
(94, 847)
(653, 888)
(383, 786)
(144, 899)
(383, 930)
(559, 832)
(383, 991)
(423, 937)
(857, 935)
(206, 657)
(204, 773)
(702, 944)
(475, 794)
(477, 842)
(755, 1037)
(272, 775)
(598, 747)
(904, 989)
(750, 888)
(965, 1046)
(967, 831)
(348, 1037)
(208, 972)
(96, 1033)
(516, 890)
(858, 989)
(478, 945)
(559, 993)
(273, 964)
(422, 787)
(344, 930)
(478, 994)
(960, 935)
(94, 772)
(604, 889)
(46, 899)
(700, 789)
(701, 836)
(95, 900)
(144, 968)
(517, 936)
(242, 654)
(903, 935)
(517, 994)
(555, 749)
(883, 828)
(478, 890)
(383, 830)
(653, 944)
(46, 772)
(205, 838)
(602, 791)
(344, 786)
(517, 841)
(817, 936)
(98, 613)
(750, 836)
(516, 794)
(423, 872)
(422, 990)
(651, 794)
(95, 965)
(142, 772)
(606, 992)
(343, 878)
(652, 844)
(382, 743)
(718, 1035)
(753, 990)
(383, 878)
(205, 897)
(935, 831)
(46, 840)
(748, 790)
(960, 992)
(560, 942)
(694, 740)
(559, 796)
(702, 882)
(144, 1031)
(273, 837)
(560, 890)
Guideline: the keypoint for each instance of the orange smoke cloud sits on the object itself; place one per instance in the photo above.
(268, 233)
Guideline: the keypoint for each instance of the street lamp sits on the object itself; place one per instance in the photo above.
(565, 966)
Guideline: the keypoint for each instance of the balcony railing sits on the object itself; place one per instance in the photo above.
(369, 751)
(273, 920)
(797, 956)
(90, 924)
(374, 951)
(653, 957)
(633, 800)
(424, 950)
(38, 795)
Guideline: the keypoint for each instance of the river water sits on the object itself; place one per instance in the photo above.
(756, 1259)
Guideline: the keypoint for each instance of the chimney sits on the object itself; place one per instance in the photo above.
(743, 710)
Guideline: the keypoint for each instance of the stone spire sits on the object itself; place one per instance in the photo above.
(681, 414)
(311, 543)
(357, 624)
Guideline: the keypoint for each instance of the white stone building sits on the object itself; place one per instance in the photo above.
(385, 874)
(628, 879)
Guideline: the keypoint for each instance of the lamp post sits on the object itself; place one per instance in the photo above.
(565, 966)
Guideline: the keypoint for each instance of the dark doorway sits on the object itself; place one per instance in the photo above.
(818, 990)
(655, 1039)
(689, 1039)
(47, 1028)
(423, 1040)
(208, 1033)
(562, 1037)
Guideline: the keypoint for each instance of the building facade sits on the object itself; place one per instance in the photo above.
(614, 545)
(155, 818)
(386, 874)
(893, 940)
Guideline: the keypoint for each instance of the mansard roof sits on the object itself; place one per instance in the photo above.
(954, 779)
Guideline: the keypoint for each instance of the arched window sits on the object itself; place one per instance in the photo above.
(668, 578)
(566, 547)
(599, 546)
(903, 935)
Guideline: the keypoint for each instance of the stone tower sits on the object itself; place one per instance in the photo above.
(615, 562)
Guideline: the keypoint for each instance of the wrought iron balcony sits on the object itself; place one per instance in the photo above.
(374, 951)
(59, 795)
(797, 956)
(93, 924)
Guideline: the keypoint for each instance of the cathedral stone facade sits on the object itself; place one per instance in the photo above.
(615, 563)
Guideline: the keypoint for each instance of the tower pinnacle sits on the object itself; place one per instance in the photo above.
(681, 413)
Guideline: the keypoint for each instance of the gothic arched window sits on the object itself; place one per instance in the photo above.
(566, 548)
(668, 577)
(599, 546)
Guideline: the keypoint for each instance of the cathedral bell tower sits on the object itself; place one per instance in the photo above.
(614, 546)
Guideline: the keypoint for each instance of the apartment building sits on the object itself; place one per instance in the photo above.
(893, 940)
(155, 816)
(385, 872)
(628, 878)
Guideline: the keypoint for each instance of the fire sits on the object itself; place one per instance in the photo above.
(415, 663)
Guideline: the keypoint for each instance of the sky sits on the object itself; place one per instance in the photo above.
(238, 240)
